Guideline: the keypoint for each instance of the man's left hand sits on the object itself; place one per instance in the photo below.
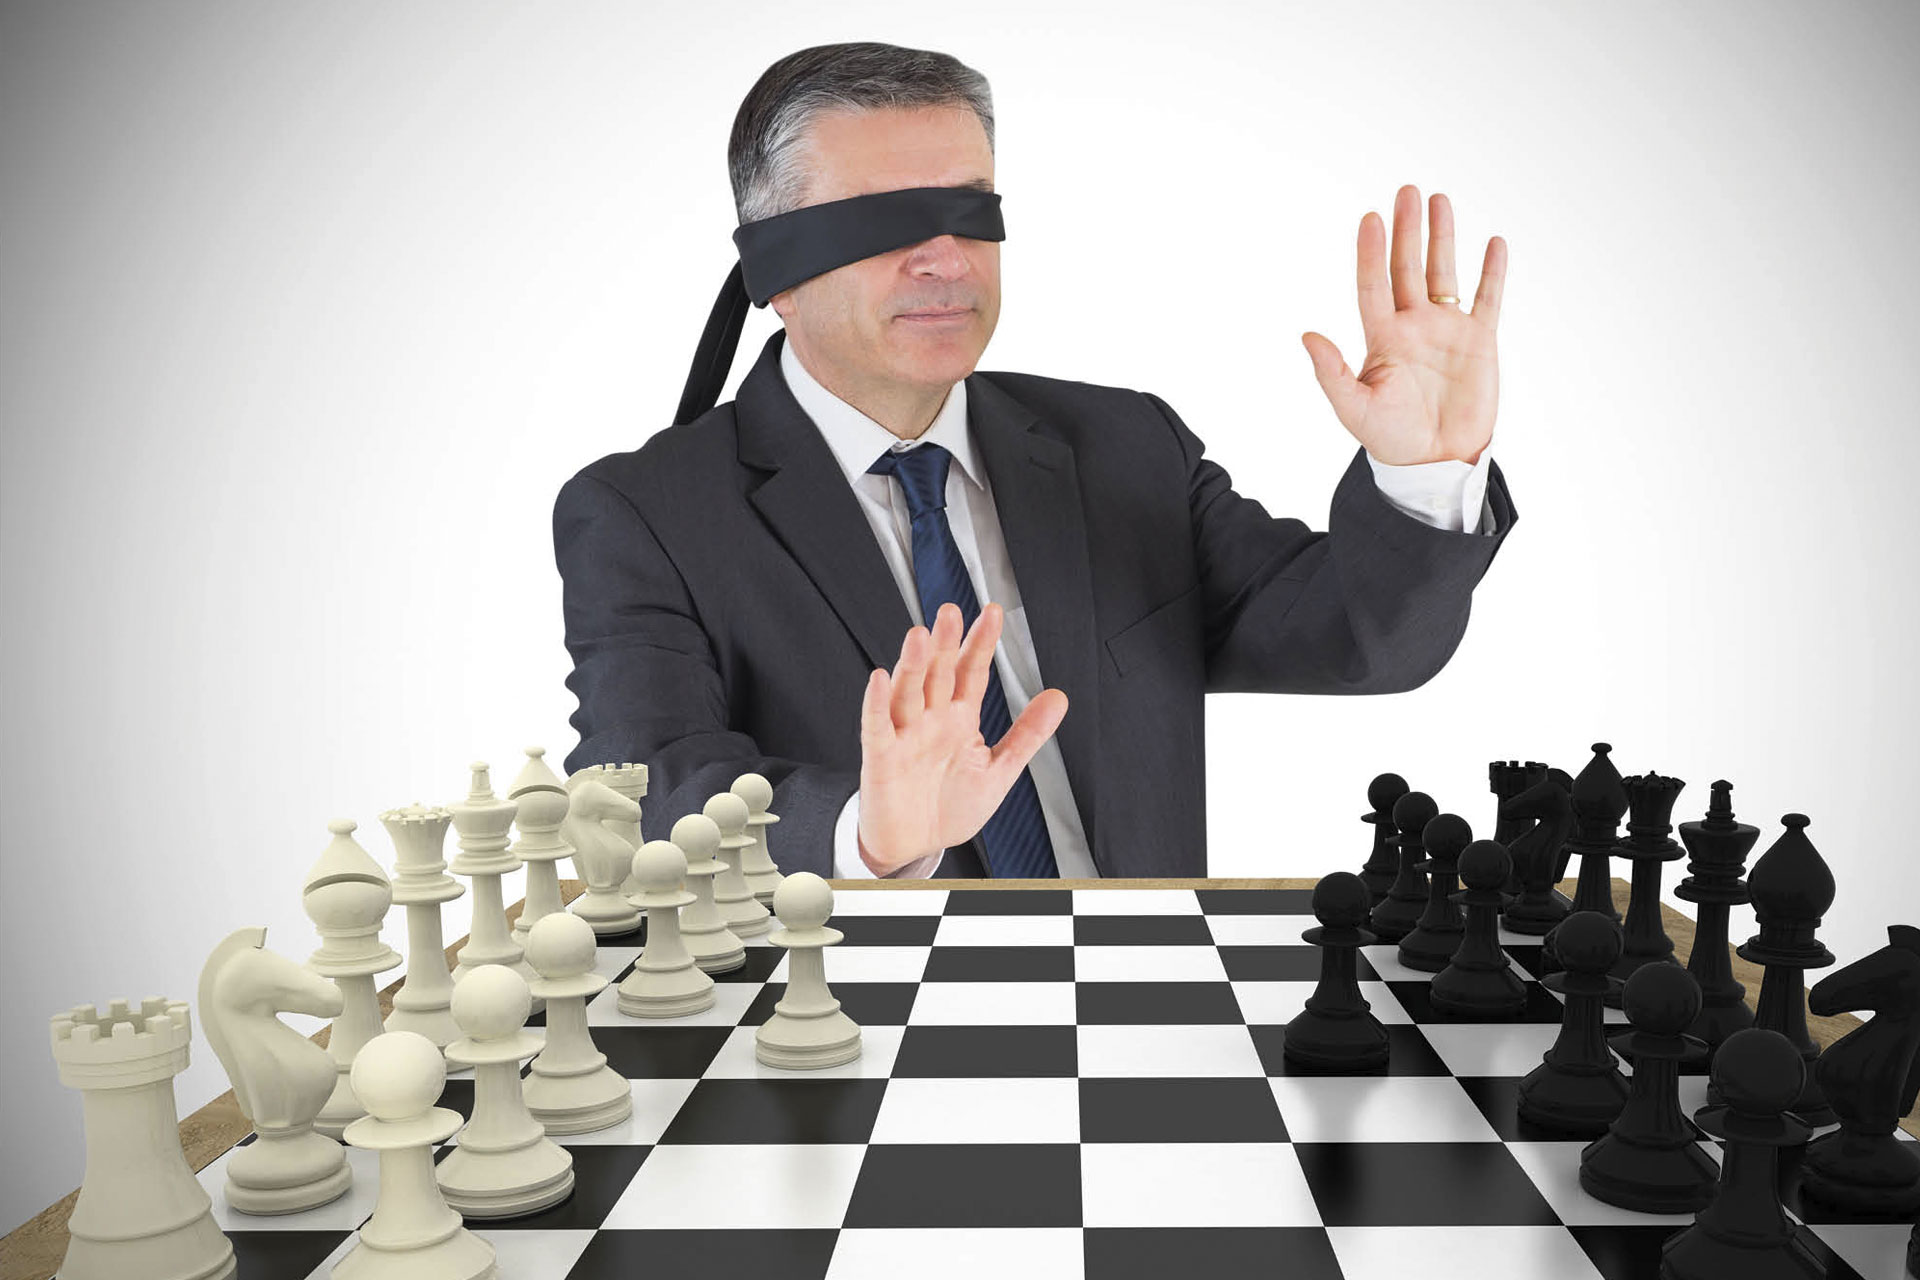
(1430, 384)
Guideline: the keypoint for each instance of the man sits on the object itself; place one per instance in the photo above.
(728, 585)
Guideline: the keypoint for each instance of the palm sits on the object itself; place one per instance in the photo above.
(1429, 386)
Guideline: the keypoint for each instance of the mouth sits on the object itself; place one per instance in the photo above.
(935, 317)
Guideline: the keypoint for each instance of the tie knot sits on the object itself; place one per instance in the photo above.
(922, 472)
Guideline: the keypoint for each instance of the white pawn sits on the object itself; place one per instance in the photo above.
(347, 897)
(735, 901)
(482, 821)
(504, 1164)
(715, 948)
(570, 1088)
(413, 1234)
(540, 807)
(280, 1078)
(756, 862)
(665, 982)
(807, 1029)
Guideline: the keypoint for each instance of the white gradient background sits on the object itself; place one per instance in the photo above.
(310, 309)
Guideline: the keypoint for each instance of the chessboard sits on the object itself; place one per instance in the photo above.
(1061, 1083)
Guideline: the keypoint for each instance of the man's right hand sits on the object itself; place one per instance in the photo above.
(928, 780)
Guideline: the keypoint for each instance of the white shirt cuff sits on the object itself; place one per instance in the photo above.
(849, 865)
(1448, 494)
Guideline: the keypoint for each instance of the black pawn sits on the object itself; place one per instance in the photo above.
(1479, 982)
(1599, 801)
(1745, 1231)
(1382, 793)
(1719, 848)
(1649, 1160)
(1870, 1076)
(1507, 779)
(1649, 845)
(1395, 915)
(1434, 940)
(1336, 1031)
(1577, 1088)
(1539, 849)
(1792, 888)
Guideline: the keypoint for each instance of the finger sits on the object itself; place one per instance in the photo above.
(1409, 284)
(876, 723)
(1440, 276)
(1346, 393)
(946, 653)
(976, 656)
(1493, 283)
(1376, 296)
(909, 679)
(1026, 735)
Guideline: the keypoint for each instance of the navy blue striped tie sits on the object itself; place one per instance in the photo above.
(1015, 838)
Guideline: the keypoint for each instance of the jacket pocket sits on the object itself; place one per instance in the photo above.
(1165, 624)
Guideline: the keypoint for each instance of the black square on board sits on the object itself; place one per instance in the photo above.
(1009, 902)
(1421, 1184)
(1227, 1109)
(1223, 1253)
(1141, 931)
(967, 1184)
(1408, 1053)
(1416, 997)
(276, 1255)
(886, 931)
(987, 1052)
(1288, 962)
(1155, 1003)
(765, 1253)
(760, 962)
(999, 964)
(660, 1053)
(779, 1111)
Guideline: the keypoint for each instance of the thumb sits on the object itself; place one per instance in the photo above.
(1026, 735)
(1342, 389)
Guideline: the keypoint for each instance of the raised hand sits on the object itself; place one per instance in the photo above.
(928, 779)
(1430, 384)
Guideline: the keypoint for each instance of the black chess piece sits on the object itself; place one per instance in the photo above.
(1719, 847)
(1648, 844)
(1507, 779)
(1870, 1077)
(1577, 1088)
(1395, 915)
(1382, 793)
(1538, 848)
(1745, 1231)
(1336, 1031)
(1599, 801)
(1650, 1160)
(1435, 938)
(1479, 982)
(1792, 888)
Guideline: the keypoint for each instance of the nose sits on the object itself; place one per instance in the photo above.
(941, 256)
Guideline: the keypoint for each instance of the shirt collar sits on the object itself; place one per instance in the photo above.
(857, 440)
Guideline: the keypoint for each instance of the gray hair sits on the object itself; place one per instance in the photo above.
(767, 152)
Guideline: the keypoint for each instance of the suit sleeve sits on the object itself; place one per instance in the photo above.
(1376, 603)
(650, 691)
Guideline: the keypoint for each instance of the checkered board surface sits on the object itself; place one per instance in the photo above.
(1064, 1083)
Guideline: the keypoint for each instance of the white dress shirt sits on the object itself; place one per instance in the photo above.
(1438, 493)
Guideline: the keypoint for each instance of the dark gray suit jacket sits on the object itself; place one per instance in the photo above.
(725, 601)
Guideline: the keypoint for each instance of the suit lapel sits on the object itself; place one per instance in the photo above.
(805, 500)
(1036, 491)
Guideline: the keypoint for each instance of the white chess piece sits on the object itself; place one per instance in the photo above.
(630, 780)
(140, 1210)
(422, 885)
(347, 897)
(541, 802)
(715, 948)
(807, 1029)
(665, 982)
(413, 1234)
(756, 863)
(504, 1164)
(570, 1088)
(280, 1078)
(595, 815)
(481, 820)
(735, 901)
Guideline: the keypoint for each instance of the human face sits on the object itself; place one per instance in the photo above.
(853, 327)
